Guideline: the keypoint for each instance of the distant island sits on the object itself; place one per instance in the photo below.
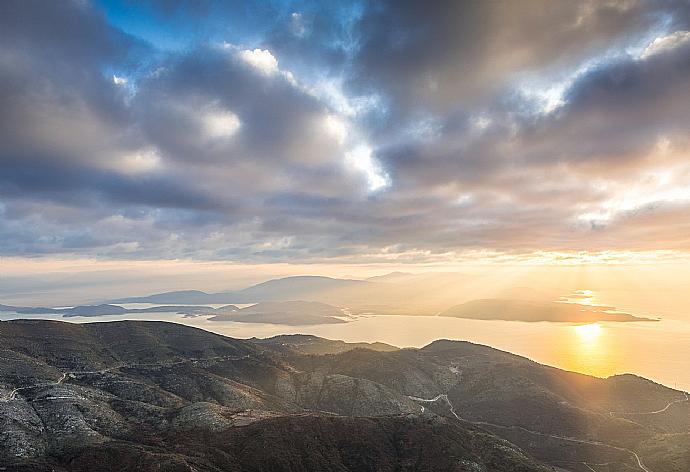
(295, 313)
(532, 311)
(109, 310)
(303, 313)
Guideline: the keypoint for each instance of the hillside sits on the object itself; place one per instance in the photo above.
(162, 396)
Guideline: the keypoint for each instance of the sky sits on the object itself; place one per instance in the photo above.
(340, 133)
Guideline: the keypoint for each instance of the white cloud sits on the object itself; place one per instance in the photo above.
(261, 59)
(119, 80)
(360, 159)
(656, 187)
(336, 127)
(330, 90)
(220, 123)
(665, 43)
(481, 122)
(143, 160)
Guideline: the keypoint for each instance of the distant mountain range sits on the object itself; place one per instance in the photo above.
(317, 300)
(153, 396)
(289, 288)
(400, 293)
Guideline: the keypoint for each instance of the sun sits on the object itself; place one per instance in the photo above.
(588, 331)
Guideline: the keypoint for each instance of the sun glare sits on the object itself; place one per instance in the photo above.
(588, 332)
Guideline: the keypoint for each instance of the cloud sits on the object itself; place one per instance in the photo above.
(261, 59)
(344, 131)
(360, 158)
(442, 54)
(666, 43)
(119, 80)
(220, 123)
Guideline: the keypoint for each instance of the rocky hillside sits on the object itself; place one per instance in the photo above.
(166, 397)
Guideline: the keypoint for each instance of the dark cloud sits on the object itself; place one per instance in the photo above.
(61, 32)
(446, 53)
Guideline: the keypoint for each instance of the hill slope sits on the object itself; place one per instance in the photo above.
(161, 396)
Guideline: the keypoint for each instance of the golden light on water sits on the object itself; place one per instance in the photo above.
(587, 349)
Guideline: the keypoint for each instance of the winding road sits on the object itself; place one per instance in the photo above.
(682, 400)
(444, 397)
(13, 394)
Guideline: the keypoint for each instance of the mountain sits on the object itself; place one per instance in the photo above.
(399, 293)
(184, 297)
(306, 443)
(391, 277)
(145, 396)
(288, 288)
(530, 310)
(160, 396)
(296, 288)
(395, 293)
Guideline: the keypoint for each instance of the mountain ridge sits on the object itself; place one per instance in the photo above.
(294, 287)
(131, 390)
